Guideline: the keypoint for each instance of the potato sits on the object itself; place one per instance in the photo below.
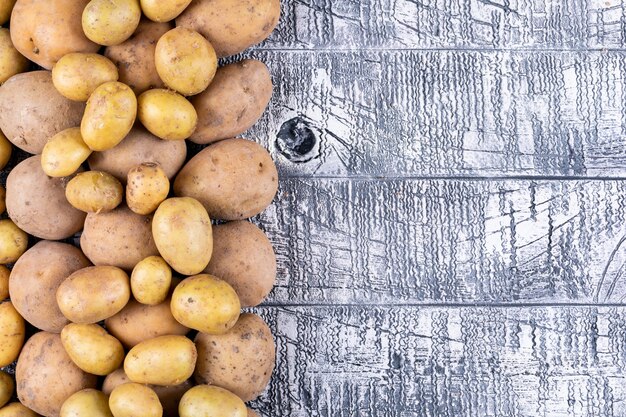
(94, 293)
(147, 186)
(138, 147)
(110, 22)
(88, 402)
(205, 303)
(134, 400)
(150, 281)
(32, 110)
(17, 410)
(64, 153)
(182, 232)
(118, 237)
(37, 203)
(252, 413)
(13, 242)
(233, 102)
(139, 322)
(92, 349)
(46, 376)
(167, 114)
(164, 360)
(6, 6)
(231, 26)
(7, 386)
(46, 30)
(12, 329)
(208, 401)
(4, 282)
(11, 61)
(234, 179)
(135, 57)
(185, 61)
(163, 10)
(240, 360)
(94, 192)
(6, 149)
(35, 278)
(109, 115)
(77, 75)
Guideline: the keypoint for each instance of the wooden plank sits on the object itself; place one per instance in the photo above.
(448, 241)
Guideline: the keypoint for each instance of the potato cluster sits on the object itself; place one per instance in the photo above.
(144, 316)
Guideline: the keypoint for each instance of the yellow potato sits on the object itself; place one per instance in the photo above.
(182, 232)
(185, 61)
(4, 282)
(150, 281)
(88, 402)
(209, 401)
(13, 242)
(163, 10)
(109, 115)
(6, 6)
(147, 186)
(91, 348)
(6, 149)
(167, 114)
(12, 328)
(11, 61)
(135, 400)
(7, 386)
(77, 75)
(110, 22)
(205, 303)
(94, 192)
(64, 153)
(164, 360)
(17, 410)
(94, 293)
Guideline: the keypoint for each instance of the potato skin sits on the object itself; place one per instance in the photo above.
(94, 192)
(6, 149)
(167, 114)
(233, 102)
(163, 11)
(6, 6)
(32, 110)
(87, 402)
(11, 61)
(7, 386)
(138, 147)
(147, 186)
(35, 278)
(151, 280)
(77, 75)
(130, 400)
(17, 410)
(94, 293)
(91, 348)
(110, 22)
(118, 237)
(13, 242)
(44, 363)
(64, 153)
(4, 282)
(164, 360)
(12, 330)
(205, 400)
(231, 26)
(234, 179)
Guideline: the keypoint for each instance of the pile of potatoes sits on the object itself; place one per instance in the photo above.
(129, 263)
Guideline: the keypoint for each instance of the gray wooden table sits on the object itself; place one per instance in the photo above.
(450, 225)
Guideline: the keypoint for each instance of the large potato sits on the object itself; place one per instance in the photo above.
(77, 75)
(240, 360)
(110, 22)
(7, 386)
(64, 153)
(13, 241)
(208, 401)
(11, 61)
(182, 232)
(94, 192)
(151, 280)
(234, 179)
(164, 360)
(231, 26)
(163, 11)
(6, 6)
(118, 237)
(46, 376)
(12, 330)
(17, 410)
(139, 322)
(233, 102)
(134, 400)
(135, 57)
(185, 61)
(32, 110)
(138, 147)
(166, 114)
(35, 278)
(91, 348)
(88, 402)
(37, 203)
(147, 186)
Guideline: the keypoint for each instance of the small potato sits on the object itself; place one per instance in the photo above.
(6, 149)
(134, 400)
(208, 401)
(77, 75)
(4, 282)
(185, 61)
(164, 360)
(12, 330)
(64, 153)
(7, 386)
(17, 410)
(13, 242)
(92, 349)
(94, 192)
(110, 22)
(139, 322)
(163, 10)
(182, 232)
(88, 402)
(147, 186)
(109, 116)
(167, 114)
(150, 281)
(240, 360)
(234, 179)
(205, 303)
(11, 61)
(94, 293)
(6, 6)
